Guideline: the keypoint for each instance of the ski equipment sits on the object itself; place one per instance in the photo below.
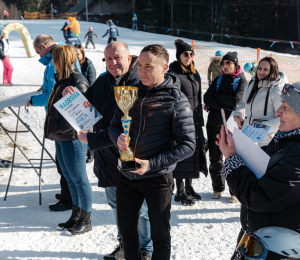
(219, 53)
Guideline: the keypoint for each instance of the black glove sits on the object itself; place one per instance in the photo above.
(103, 36)
(118, 35)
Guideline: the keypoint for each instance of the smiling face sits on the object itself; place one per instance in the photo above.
(186, 58)
(117, 59)
(152, 69)
(289, 119)
(263, 69)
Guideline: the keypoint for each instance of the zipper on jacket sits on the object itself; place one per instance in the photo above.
(251, 109)
(144, 122)
(141, 119)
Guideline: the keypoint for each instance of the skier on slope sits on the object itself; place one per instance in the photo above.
(64, 31)
(74, 25)
(251, 68)
(72, 39)
(134, 23)
(90, 38)
(112, 31)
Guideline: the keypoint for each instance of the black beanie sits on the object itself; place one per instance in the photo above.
(181, 47)
(232, 56)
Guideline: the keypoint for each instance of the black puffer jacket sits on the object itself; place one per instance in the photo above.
(162, 129)
(191, 87)
(88, 70)
(101, 95)
(273, 200)
(56, 127)
(225, 98)
(2, 48)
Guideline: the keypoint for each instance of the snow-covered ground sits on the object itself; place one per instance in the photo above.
(207, 230)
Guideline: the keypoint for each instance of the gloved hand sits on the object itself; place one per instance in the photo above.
(84, 38)
(103, 36)
(209, 82)
(96, 36)
(118, 35)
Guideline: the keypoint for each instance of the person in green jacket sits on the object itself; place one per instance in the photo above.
(214, 69)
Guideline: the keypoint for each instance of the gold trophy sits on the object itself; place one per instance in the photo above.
(125, 98)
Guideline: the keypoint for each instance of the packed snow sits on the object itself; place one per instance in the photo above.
(207, 230)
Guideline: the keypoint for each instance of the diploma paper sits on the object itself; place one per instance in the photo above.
(254, 157)
(256, 132)
(78, 111)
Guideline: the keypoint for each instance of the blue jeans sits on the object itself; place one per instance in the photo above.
(143, 225)
(71, 158)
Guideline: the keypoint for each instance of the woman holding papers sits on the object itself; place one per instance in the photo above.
(70, 151)
(274, 199)
(261, 98)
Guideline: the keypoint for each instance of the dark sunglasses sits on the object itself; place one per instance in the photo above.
(186, 54)
(252, 247)
(287, 87)
(226, 62)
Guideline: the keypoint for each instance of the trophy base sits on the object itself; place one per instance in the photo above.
(128, 165)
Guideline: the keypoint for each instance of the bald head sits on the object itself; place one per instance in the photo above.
(117, 58)
(43, 44)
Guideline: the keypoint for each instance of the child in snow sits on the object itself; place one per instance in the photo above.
(64, 31)
(6, 14)
(112, 31)
(72, 39)
(4, 56)
(74, 25)
(90, 38)
(134, 23)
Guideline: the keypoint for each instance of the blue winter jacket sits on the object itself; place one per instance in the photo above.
(48, 81)
(112, 31)
(72, 39)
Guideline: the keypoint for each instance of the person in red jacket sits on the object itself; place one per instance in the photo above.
(6, 14)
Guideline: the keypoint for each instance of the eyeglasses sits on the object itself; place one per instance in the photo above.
(287, 87)
(226, 62)
(252, 247)
(186, 54)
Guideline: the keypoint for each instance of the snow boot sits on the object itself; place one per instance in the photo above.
(82, 226)
(184, 199)
(61, 206)
(191, 192)
(217, 194)
(117, 254)
(145, 255)
(58, 196)
(76, 212)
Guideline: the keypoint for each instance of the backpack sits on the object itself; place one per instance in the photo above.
(234, 84)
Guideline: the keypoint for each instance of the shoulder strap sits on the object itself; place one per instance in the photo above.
(218, 83)
(266, 102)
(235, 83)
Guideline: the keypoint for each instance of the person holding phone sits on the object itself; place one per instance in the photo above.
(226, 91)
(261, 98)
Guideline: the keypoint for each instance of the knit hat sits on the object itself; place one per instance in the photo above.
(291, 95)
(181, 47)
(232, 56)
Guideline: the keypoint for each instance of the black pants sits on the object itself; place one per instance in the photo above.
(90, 41)
(180, 184)
(65, 192)
(111, 39)
(215, 158)
(157, 192)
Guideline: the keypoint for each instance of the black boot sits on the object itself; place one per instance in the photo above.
(190, 190)
(117, 254)
(82, 226)
(145, 255)
(184, 199)
(76, 212)
(61, 206)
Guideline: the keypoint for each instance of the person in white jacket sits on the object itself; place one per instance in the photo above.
(261, 98)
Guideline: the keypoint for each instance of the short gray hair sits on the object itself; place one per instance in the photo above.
(43, 39)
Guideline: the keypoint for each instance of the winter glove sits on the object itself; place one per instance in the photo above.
(118, 35)
(209, 82)
(84, 38)
(103, 36)
(96, 36)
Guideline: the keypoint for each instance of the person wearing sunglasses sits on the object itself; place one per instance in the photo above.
(261, 98)
(225, 92)
(190, 81)
(274, 199)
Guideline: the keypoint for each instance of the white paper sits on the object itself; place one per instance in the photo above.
(254, 157)
(256, 132)
(78, 111)
(231, 124)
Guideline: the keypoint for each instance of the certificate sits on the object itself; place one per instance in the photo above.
(78, 111)
(256, 132)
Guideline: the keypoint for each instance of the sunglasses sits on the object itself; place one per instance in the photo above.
(252, 247)
(186, 54)
(226, 62)
(287, 87)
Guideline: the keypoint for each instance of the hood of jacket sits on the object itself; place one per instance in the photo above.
(239, 71)
(281, 80)
(216, 60)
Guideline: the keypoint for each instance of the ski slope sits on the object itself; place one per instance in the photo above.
(205, 231)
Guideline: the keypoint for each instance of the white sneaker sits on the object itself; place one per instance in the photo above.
(217, 194)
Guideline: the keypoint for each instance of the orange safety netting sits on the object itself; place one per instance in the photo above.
(32, 16)
(43, 16)
(289, 65)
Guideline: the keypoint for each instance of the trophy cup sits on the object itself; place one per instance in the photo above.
(125, 98)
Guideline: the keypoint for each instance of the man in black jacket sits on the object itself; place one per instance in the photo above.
(162, 133)
(226, 93)
(122, 69)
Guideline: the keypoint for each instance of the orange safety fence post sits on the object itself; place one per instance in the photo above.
(271, 55)
(258, 55)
